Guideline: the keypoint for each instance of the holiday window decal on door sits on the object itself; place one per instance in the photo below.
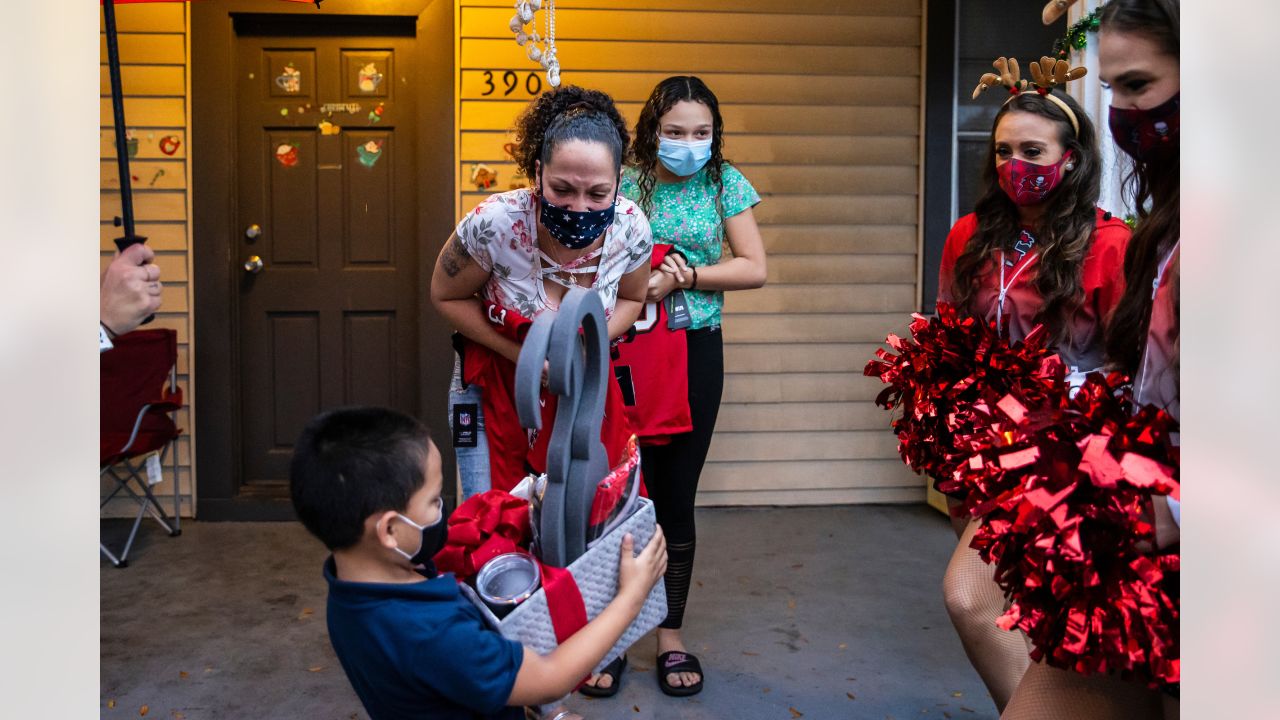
(287, 154)
(368, 78)
(369, 153)
(290, 80)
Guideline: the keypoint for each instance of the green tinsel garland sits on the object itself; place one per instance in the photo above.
(1076, 37)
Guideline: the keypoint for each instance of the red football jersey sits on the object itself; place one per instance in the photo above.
(652, 371)
(512, 447)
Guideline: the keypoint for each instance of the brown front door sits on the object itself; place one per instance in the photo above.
(325, 259)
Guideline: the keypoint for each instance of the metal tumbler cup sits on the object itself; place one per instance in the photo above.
(506, 581)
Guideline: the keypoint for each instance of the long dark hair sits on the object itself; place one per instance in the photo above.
(644, 151)
(1154, 187)
(1062, 238)
(566, 113)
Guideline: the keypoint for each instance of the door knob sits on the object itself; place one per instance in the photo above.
(253, 232)
(253, 265)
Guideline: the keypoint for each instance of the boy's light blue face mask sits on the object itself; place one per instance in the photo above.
(684, 157)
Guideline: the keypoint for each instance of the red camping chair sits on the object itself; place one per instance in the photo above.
(140, 398)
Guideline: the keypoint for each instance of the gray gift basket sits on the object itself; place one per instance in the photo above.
(574, 344)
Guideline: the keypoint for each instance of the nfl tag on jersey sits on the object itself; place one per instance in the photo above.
(465, 419)
(677, 311)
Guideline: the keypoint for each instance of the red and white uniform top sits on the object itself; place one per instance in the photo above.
(1156, 381)
(1008, 292)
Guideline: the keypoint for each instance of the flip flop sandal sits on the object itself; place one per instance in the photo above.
(679, 662)
(613, 670)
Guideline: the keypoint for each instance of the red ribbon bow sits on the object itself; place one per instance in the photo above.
(485, 526)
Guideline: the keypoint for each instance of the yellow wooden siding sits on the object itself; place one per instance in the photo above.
(154, 53)
(821, 102)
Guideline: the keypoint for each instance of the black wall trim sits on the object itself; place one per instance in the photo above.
(940, 93)
(293, 25)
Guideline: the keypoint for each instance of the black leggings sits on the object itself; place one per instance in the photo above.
(671, 471)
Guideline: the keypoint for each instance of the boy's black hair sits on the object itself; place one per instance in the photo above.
(354, 462)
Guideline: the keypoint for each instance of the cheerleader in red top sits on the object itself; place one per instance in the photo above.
(1035, 250)
(1138, 44)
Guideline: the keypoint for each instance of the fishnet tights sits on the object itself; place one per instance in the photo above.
(1048, 693)
(974, 601)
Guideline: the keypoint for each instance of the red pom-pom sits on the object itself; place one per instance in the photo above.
(1063, 484)
(1068, 530)
(937, 375)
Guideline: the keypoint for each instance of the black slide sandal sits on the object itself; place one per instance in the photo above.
(613, 670)
(679, 662)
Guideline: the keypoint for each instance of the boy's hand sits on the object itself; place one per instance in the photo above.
(637, 575)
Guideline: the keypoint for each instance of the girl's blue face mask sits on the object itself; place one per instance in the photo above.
(684, 157)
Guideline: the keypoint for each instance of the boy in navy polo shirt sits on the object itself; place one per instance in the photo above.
(367, 482)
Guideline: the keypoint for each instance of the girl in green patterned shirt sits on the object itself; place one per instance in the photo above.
(698, 203)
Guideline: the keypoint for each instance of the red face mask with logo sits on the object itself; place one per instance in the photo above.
(1027, 183)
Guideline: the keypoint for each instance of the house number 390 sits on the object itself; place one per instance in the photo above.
(511, 81)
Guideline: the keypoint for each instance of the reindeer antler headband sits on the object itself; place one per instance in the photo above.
(1046, 74)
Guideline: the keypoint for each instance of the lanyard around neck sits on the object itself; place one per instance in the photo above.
(1004, 287)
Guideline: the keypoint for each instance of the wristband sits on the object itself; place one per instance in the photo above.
(694, 285)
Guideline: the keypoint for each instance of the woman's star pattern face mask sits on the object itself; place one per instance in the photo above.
(574, 229)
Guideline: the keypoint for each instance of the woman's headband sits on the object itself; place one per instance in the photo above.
(1046, 74)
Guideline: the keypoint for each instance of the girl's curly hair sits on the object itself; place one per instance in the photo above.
(566, 113)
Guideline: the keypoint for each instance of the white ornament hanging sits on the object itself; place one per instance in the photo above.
(545, 56)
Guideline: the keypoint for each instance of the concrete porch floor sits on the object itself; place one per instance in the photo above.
(831, 612)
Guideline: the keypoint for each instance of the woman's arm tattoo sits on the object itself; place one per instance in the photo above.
(454, 257)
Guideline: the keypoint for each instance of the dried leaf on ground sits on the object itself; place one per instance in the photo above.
(111, 703)
(946, 714)
(851, 696)
(843, 646)
(748, 652)
(765, 690)
(636, 708)
(306, 613)
(142, 711)
(177, 715)
(957, 694)
(795, 713)
(315, 668)
(791, 604)
(967, 709)
(797, 566)
(184, 674)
